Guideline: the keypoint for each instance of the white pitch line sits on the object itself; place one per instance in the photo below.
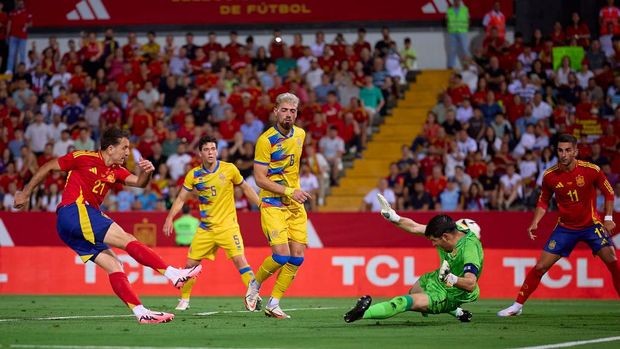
(52, 318)
(574, 343)
(68, 317)
(246, 311)
(45, 346)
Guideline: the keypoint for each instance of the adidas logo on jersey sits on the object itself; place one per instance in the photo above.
(93, 170)
(559, 185)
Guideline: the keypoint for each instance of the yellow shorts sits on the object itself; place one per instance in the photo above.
(205, 243)
(281, 225)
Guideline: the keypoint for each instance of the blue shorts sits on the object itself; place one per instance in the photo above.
(83, 228)
(563, 240)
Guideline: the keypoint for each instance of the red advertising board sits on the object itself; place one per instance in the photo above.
(327, 272)
(80, 13)
(352, 229)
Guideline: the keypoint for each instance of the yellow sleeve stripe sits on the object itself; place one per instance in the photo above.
(85, 153)
(608, 186)
(550, 169)
(589, 165)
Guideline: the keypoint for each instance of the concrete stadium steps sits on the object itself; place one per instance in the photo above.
(400, 128)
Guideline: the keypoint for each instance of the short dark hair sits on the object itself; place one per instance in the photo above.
(439, 225)
(567, 138)
(186, 209)
(206, 139)
(112, 137)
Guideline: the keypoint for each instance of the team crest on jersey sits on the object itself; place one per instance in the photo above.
(580, 181)
(110, 178)
(552, 244)
(222, 177)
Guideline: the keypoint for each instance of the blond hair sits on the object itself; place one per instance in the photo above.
(287, 98)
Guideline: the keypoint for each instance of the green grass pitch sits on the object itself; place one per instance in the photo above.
(25, 322)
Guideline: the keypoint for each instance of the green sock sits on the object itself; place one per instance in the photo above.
(388, 309)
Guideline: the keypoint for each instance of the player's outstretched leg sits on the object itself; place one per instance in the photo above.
(390, 308)
(359, 309)
(120, 286)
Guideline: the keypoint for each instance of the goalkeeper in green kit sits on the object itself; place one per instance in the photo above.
(442, 290)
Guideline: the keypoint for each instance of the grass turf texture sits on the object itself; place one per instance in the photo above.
(543, 322)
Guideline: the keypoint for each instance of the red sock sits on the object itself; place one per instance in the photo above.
(146, 256)
(529, 285)
(614, 269)
(121, 287)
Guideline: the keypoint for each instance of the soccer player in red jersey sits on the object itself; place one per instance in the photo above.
(88, 231)
(574, 184)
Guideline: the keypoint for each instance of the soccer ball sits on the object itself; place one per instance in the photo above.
(471, 225)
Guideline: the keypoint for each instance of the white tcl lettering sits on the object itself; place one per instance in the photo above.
(149, 276)
(396, 268)
(581, 272)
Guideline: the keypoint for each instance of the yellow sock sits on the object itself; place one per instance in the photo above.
(284, 280)
(247, 275)
(266, 269)
(186, 290)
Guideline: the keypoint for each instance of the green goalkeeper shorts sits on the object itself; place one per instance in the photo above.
(438, 299)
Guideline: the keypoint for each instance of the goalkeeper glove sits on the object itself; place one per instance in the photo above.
(446, 276)
(386, 210)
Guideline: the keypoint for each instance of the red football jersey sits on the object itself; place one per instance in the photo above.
(575, 193)
(89, 179)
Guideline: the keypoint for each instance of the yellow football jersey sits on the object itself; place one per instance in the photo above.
(215, 194)
(281, 153)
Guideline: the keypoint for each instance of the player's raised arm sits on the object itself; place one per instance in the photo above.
(406, 224)
(22, 197)
(141, 180)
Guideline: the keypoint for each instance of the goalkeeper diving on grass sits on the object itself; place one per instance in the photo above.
(442, 290)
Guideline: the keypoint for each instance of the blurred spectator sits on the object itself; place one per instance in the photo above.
(450, 198)
(609, 15)
(185, 227)
(371, 202)
(176, 162)
(332, 147)
(20, 21)
(38, 134)
(495, 19)
(310, 184)
(319, 166)
(62, 145)
(511, 188)
(84, 141)
(474, 199)
(457, 18)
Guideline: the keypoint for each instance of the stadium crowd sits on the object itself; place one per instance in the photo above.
(488, 140)
(485, 145)
(169, 95)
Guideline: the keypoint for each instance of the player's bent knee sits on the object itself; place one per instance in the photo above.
(296, 260)
(280, 259)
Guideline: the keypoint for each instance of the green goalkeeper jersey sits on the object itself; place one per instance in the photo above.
(467, 256)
